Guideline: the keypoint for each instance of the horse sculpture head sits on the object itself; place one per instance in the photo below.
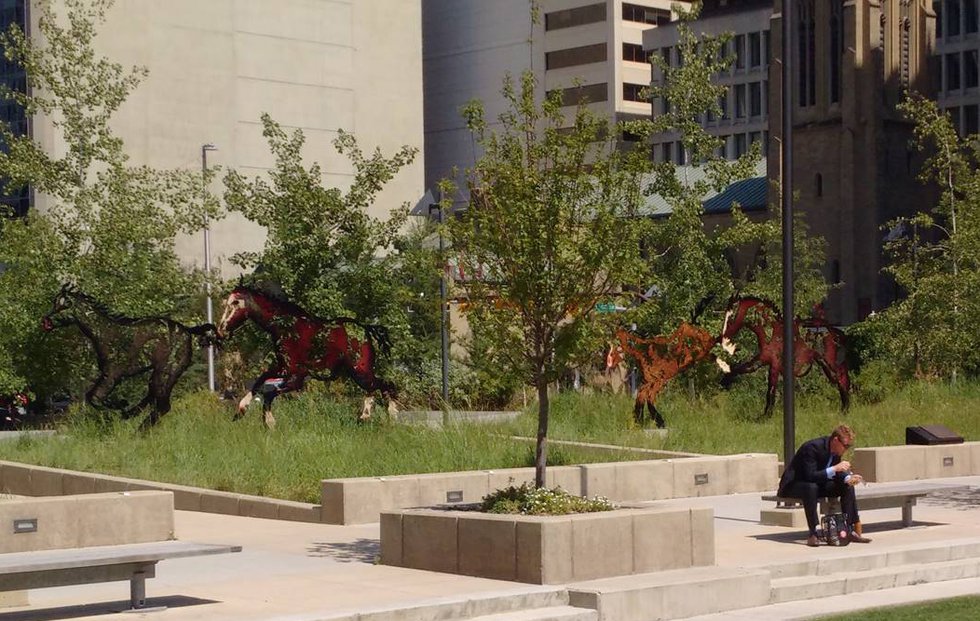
(63, 301)
(235, 311)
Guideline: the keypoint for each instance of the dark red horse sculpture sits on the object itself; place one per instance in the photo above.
(305, 346)
(817, 343)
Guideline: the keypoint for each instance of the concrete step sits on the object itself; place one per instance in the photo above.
(469, 607)
(551, 613)
(860, 557)
(875, 579)
(674, 594)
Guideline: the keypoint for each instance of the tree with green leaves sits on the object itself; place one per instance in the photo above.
(324, 249)
(107, 226)
(550, 229)
(936, 258)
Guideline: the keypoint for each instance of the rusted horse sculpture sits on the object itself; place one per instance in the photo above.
(128, 347)
(660, 359)
(821, 344)
(305, 346)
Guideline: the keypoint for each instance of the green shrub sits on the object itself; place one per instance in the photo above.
(529, 500)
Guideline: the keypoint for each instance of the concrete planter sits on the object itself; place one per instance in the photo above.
(548, 550)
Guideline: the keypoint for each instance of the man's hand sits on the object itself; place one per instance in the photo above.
(843, 466)
(855, 479)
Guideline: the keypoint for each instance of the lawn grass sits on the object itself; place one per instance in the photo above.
(317, 438)
(957, 609)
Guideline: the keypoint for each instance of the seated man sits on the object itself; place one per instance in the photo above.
(818, 471)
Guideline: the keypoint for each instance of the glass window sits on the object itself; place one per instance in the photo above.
(634, 92)
(579, 16)
(665, 54)
(645, 15)
(575, 56)
(970, 120)
(953, 18)
(666, 152)
(765, 49)
(970, 68)
(755, 49)
(755, 99)
(739, 101)
(741, 145)
(969, 16)
(836, 48)
(590, 93)
(937, 8)
(739, 51)
(953, 72)
(723, 104)
(633, 53)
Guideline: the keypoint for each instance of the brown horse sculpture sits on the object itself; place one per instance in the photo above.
(305, 346)
(817, 343)
(660, 359)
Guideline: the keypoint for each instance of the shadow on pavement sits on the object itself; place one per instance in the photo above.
(102, 608)
(357, 551)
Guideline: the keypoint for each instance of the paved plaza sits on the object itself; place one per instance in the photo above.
(292, 571)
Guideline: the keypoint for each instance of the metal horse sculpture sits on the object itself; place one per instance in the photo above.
(660, 359)
(815, 341)
(305, 346)
(128, 347)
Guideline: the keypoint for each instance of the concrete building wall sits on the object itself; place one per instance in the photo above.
(215, 66)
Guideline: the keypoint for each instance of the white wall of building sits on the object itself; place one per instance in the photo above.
(317, 65)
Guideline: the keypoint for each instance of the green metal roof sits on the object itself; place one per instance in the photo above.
(751, 194)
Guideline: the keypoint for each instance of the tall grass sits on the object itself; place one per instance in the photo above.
(317, 437)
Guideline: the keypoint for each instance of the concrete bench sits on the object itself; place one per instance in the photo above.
(868, 498)
(134, 562)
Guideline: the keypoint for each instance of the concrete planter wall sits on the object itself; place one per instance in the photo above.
(362, 500)
(882, 464)
(548, 550)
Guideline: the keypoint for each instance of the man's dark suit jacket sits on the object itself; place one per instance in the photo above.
(810, 464)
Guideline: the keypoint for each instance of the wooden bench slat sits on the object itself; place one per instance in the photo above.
(47, 560)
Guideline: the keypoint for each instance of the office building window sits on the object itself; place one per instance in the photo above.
(645, 15)
(755, 99)
(13, 77)
(952, 18)
(739, 101)
(953, 72)
(741, 145)
(806, 43)
(739, 51)
(579, 16)
(665, 152)
(836, 48)
(937, 8)
(633, 53)
(590, 93)
(971, 122)
(634, 92)
(665, 54)
(969, 16)
(575, 56)
(970, 69)
(723, 106)
(765, 47)
(755, 49)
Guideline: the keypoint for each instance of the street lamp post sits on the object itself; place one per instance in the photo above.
(789, 419)
(444, 312)
(207, 257)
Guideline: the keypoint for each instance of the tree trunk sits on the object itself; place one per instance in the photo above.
(542, 449)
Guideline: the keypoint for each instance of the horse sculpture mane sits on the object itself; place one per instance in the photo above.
(126, 347)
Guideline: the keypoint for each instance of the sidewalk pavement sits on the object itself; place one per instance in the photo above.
(290, 571)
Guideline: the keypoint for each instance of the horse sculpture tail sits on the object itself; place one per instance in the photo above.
(379, 336)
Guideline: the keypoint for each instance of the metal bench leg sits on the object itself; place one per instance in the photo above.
(907, 512)
(137, 590)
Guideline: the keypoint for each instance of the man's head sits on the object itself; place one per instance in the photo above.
(841, 439)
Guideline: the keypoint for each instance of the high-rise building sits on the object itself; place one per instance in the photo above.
(591, 50)
(13, 12)
(216, 66)
(957, 52)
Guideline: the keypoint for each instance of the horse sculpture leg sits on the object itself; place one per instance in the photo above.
(771, 391)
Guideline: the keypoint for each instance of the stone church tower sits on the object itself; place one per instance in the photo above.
(853, 167)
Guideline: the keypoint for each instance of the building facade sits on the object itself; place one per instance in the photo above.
(216, 66)
(589, 49)
(853, 167)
